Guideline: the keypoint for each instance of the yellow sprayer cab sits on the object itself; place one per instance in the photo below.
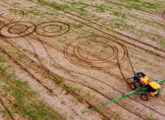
(154, 85)
(144, 80)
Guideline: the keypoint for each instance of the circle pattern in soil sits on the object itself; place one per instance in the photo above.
(52, 28)
(17, 29)
(95, 52)
(11, 15)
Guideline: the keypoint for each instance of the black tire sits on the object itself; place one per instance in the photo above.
(133, 86)
(144, 97)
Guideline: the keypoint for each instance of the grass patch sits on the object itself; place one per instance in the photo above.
(59, 81)
(18, 55)
(78, 25)
(25, 101)
(70, 89)
(2, 59)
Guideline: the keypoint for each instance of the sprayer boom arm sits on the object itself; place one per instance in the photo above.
(161, 81)
(126, 95)
(141, 88)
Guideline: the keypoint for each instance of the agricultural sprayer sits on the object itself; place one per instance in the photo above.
(140, 83)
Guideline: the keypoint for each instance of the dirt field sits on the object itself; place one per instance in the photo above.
(61, 57)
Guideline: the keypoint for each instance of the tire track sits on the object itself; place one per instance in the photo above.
(8, 30)
(121, 93)
(146, 32)
(25, 69)
(38, 80)
(143, 10)
(134, 29)
(50, 73)
(39, 59)
(83, 61)
(8, 112)
(42, 31)
(15, 14)
(130, 43)
(119, 33)
(40, 67)
(5, 97)
(33, 76)
(29, 34)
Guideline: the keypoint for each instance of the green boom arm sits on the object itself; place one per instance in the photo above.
(126, 95)
(161, 81)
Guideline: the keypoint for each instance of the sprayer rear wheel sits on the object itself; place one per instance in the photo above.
(133, 86)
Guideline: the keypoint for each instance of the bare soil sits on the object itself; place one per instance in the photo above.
(77, 57)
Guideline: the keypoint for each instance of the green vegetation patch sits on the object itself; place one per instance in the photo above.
(25, 101)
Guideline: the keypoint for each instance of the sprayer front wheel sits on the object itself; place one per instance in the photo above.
(144, 96)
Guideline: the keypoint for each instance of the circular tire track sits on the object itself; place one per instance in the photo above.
(52, 28)
(52, 74)
(135, 45)
(12, 13)
(44, 28)
(119, 33)
(89, 52)
(11, 30)
(17, 33)
(17, 29)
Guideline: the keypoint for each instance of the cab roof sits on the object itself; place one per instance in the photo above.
(154, 85)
